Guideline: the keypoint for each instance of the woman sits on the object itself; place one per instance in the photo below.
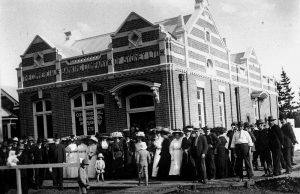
(82, 150)
(117, 155)
(129, 162)
(92, 156)
(165, 157)
(72, 157)
(158, 144)
(176, 153)
(187, 166)
(104, 148)
(221, 159)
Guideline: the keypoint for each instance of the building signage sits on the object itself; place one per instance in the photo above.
(79, 122)
(90, 66)
(36, 75)
(90, 123)
(136, 57)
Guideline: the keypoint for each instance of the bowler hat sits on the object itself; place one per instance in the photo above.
(240, 124)
(234, 124)
(259, 121)
(246, 125)
(177, 131)
(270, 118)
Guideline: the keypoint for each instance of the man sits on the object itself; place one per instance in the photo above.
(262, 147)
(276, 141)
(143, 160)
(241, 143)
(57, 154)
(201, 150)
(83, 178)
(212, 141)
(23, 159)
(289, 140)
(38, 159)
(232, 158)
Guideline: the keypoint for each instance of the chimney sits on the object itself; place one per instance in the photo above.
(68, 34)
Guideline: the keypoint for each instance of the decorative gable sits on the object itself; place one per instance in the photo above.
(133, 22)
(38, 44)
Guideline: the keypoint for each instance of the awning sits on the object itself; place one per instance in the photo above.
(259, 95)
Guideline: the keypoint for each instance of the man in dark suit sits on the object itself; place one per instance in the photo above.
(262, 147)
(276, 141)
(201, 150)
(212, 141)
(57, 154)
(289, 140)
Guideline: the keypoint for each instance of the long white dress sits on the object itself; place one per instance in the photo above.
(72, 157)
(176, 156)
(92, 149)
(157, 144)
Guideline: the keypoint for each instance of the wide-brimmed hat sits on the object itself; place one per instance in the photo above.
(246, 125)
(188, 128)
(30, 138)
(85, 162)
(177, 131)
(165, 131)
(140, 134)
(50, 140)
(259, 121)
(240, 124)
(15, 139)
(117, 134)
(21, 147)
(100, 155)
(270, 118)
(93, 138)
(143, 145)
(234, 124)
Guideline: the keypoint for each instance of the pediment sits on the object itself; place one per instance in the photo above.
(38, 44)
(133, 22)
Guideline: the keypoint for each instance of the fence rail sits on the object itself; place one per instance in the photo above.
(33, 166)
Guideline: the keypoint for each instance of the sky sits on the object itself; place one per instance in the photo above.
(271, 27)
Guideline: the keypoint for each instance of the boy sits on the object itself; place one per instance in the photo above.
(143, 159)
(83, 179)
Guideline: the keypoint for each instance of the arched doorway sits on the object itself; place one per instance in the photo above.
(140, 111)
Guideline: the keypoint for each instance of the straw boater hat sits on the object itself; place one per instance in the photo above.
(50, 140)
(188, 128)
(117, 134)
(140, 134)
(177, 131)
(100, 155)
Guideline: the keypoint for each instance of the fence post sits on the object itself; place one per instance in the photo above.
(19, 184)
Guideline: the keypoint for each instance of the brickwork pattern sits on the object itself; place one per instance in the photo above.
(37, 47)
(216, 41)
(50, 57)
(177, 49)
(222, 74)
(198, 33)
(197, 67)
(254, 76)
(218, 53)
(206, 24)
(27, 62)
(120, 42)
(133, 25)
(221, 65)
(150, 35)
(198, 45)
(197, 56)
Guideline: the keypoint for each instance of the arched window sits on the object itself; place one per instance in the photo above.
(88, 113)
(209, 64)
(42, 116)
(207, 36)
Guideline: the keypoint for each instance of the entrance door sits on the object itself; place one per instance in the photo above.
(144, 120)
(140, 111)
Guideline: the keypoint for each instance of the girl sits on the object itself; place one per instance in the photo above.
(100, 166)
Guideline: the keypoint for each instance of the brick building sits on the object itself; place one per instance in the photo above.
(171, 73)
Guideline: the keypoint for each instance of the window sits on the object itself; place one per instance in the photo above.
(222, 109)
(207, 36)
(243, 72)
(88, 114)
(42, 116)
(200, 101)
(256, 114)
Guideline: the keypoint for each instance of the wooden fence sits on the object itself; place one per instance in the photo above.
(33, 166)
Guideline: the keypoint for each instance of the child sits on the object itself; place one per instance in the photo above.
(143, 159)
(100, 166)
(83, 179)
(12, 159)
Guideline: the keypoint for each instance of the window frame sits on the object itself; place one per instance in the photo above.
(43, 113)
(201, 102)
(84, 108)
(137, 110)
(222, 109)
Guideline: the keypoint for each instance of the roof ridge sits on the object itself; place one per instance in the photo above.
(94, 36)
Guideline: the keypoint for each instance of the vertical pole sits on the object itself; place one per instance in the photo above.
(181, 80)
(19, 186)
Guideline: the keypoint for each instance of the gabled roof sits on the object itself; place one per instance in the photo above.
(237, 58)
(10, 92)
(92, 44)
(172, 24)
(39, 38)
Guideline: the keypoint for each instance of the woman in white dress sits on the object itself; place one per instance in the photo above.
(157, 143)
(176, 153)
(72, 157)
(92, 156)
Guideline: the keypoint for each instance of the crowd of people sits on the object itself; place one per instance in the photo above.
(193, 154)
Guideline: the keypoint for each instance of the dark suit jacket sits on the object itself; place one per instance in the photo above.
(288, 135)
(202, 146)
(275, 137)
(57, 153)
